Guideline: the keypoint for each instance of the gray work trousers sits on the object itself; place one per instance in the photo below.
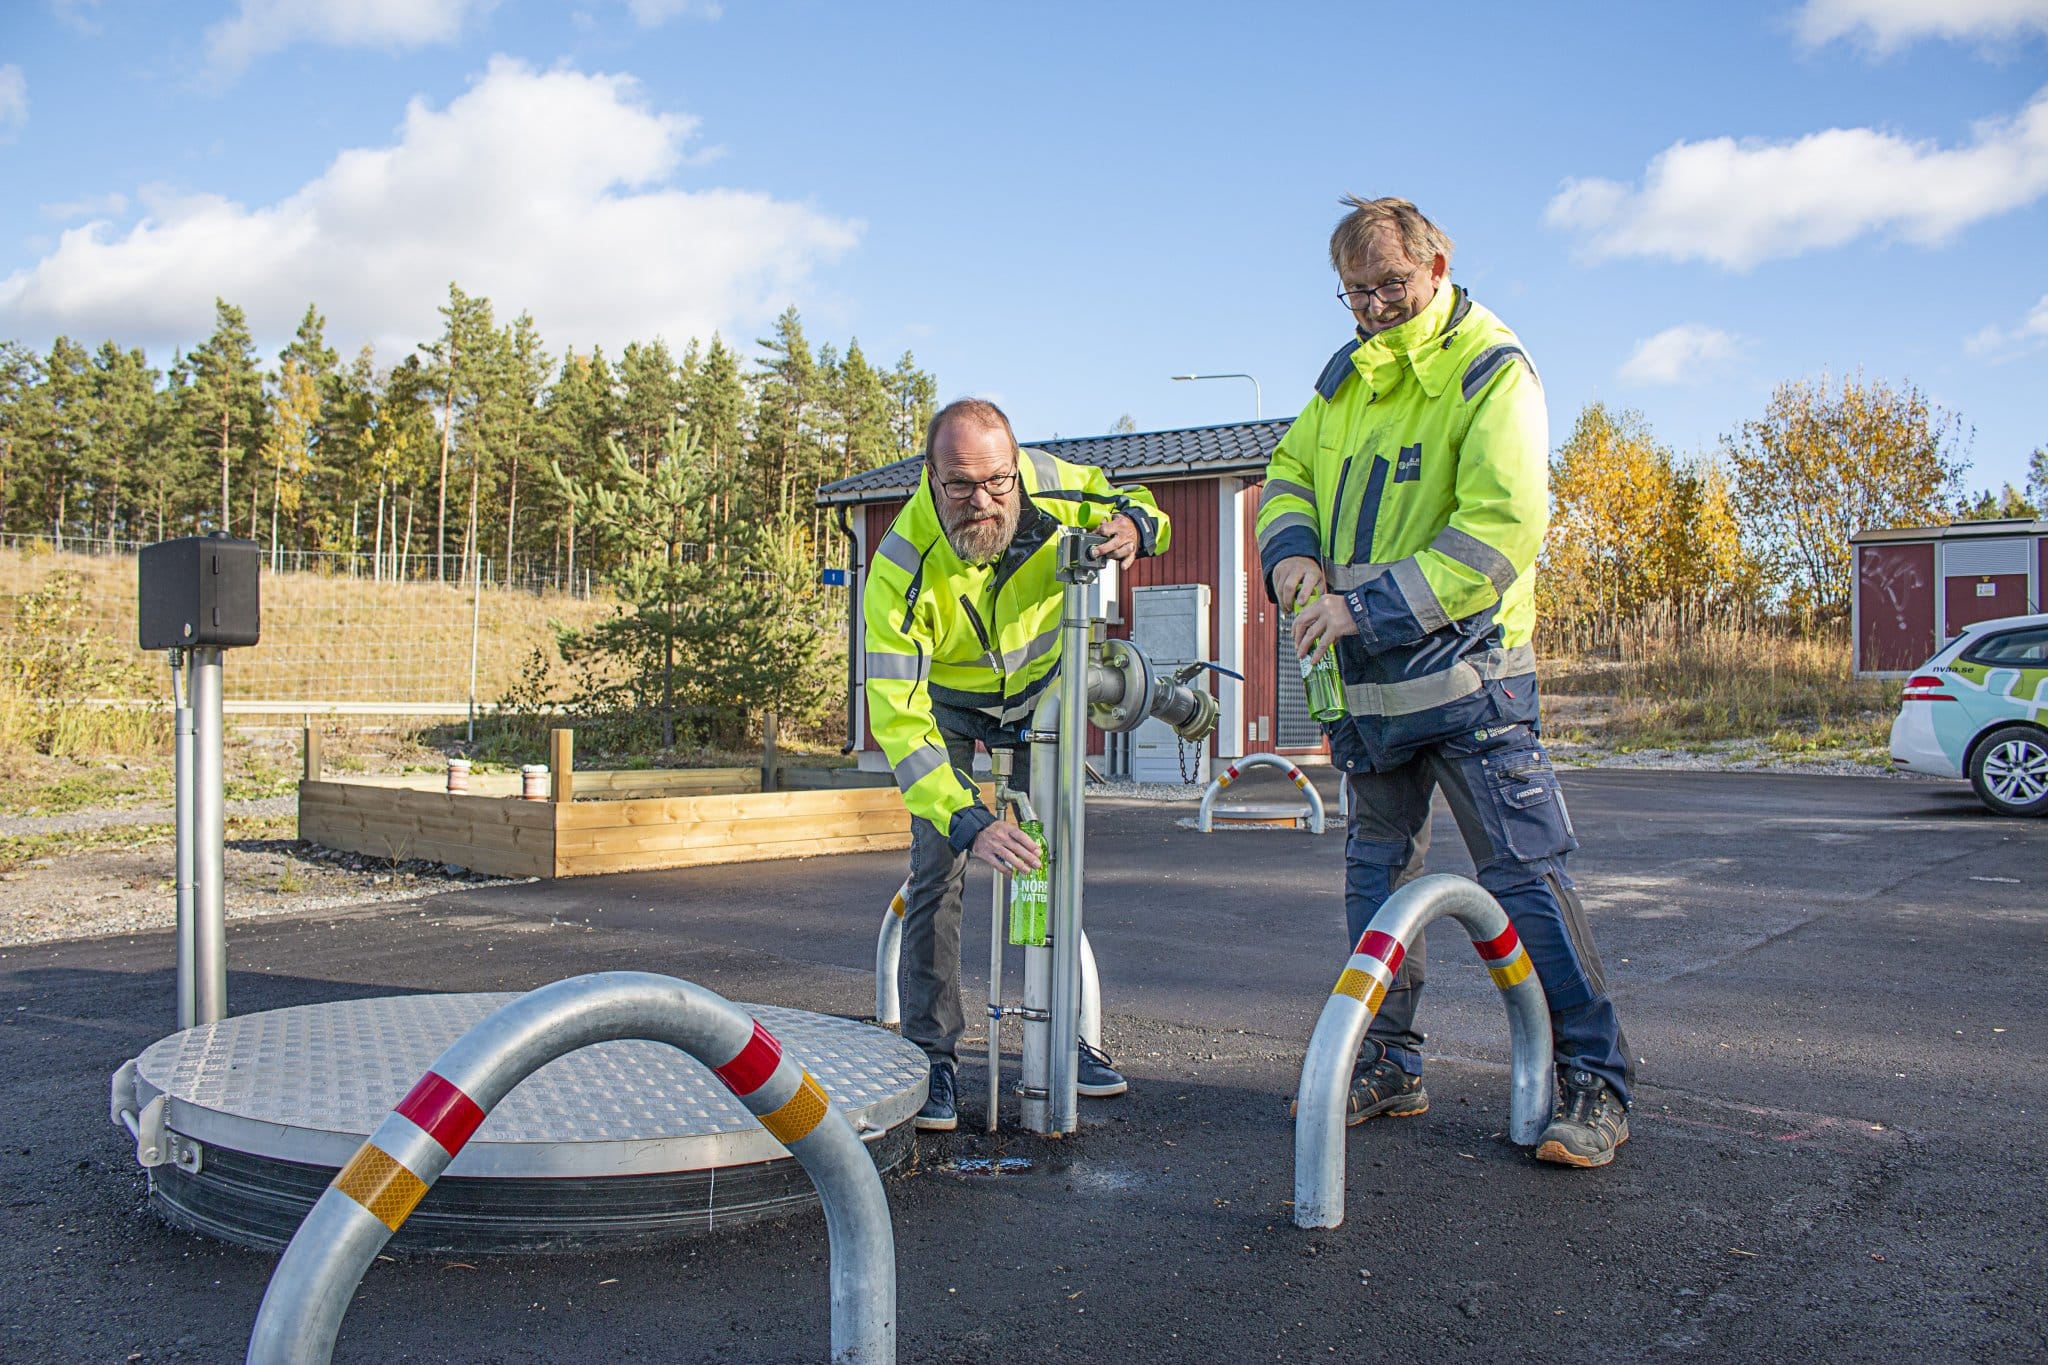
(928, 977)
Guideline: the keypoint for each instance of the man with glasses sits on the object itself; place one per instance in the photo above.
(963, 617)
(1402, 514)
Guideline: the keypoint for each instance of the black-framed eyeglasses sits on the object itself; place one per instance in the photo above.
(960, 490)
(1358, 300)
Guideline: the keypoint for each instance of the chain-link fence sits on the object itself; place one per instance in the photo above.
(332, 640)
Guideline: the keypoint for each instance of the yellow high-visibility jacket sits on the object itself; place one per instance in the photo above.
(975, 643)
(1418, 476)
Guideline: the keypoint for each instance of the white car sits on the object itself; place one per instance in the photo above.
(1979, 709)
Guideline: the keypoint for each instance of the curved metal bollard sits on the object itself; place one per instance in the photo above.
(889, 954)
(1326, 1071)
(1205, 817)
(373, 1195)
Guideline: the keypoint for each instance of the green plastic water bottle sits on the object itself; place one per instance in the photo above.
(1031, 894)
(1323, 683)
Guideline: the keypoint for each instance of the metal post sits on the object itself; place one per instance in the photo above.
(1326, 1070)
(373, 1195)
(999, 768)
(181, 763)
(209, 838)
(1070, 852)
(1037, 1011)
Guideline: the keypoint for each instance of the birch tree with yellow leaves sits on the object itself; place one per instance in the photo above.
(1830, 458)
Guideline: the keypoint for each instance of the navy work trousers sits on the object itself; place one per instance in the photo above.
(1504, 793)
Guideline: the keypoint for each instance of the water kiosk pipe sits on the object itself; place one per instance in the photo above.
(1111, 685)
(1326, 1071)
(373, 1195)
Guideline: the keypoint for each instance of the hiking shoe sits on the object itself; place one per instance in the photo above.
(940, 1114)
(1379, 1088)
(1588, 1124)
(1383, 1088)
(1094, 1076)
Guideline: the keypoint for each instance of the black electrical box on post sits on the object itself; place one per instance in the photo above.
(197, 592)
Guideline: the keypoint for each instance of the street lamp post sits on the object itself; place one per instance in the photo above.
(1258, 404)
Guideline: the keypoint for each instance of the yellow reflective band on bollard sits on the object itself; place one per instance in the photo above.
(799, 1115)
(1354, 983)
(1514, 971)
(374, 1179)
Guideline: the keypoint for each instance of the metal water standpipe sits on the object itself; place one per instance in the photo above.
(1118, 692)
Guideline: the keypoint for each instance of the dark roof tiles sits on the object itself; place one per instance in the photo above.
(1231, 448)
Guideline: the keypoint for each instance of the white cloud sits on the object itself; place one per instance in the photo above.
(546, 191)
(111, 205)
(2004, 343)
(13, 101)
(1686, 354)
(654, 13)
(1738, 203)
(263, 26)
(1886, 25)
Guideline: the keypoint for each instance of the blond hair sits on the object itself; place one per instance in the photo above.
(1420, 238)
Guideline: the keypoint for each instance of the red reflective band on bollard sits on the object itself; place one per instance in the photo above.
(1384, 947)
(1496, 948)
(439, 1106)
(757, 1061)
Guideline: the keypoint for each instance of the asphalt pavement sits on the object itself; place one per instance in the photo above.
(1833, 985)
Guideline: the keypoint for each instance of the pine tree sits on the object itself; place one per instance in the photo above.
(127, 429)
(913, 397)
(221, 403)
(679, 608)
(21, 376)
(651, 400)
(61, 434)
(455, 376)
(786, 458)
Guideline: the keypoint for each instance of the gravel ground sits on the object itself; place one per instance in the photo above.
(73, 821)
(133, 890)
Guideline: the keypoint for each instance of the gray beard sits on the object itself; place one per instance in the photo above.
(980, 544)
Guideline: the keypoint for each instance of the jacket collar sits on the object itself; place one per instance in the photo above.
(1419, 344)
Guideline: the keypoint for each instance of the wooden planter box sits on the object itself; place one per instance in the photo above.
(596, 822)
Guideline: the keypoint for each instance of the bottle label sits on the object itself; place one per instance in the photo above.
(1031, 894)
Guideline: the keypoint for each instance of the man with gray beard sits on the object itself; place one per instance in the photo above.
(963, 616)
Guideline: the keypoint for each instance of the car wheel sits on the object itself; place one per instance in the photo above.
(2010, 770)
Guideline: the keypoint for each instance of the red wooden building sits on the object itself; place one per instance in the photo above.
(1918, 586)
(1207, 479)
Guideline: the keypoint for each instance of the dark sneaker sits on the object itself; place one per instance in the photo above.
(1381, 1087)
(1588, 1124)
(939, 1115)
(1094, 1075)
(1384, 1088)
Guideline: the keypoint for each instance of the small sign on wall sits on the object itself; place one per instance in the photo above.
(1987, 590)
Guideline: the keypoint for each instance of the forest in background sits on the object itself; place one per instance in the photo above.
(683, 485)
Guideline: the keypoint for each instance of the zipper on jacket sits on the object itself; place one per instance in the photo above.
(1337, 507)
(980, 632)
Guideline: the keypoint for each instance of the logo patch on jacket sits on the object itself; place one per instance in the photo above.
(1409, 467)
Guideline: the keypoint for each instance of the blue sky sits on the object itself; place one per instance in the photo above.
(1061, 205)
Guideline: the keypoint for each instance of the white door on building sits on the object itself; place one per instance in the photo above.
(1170, 627)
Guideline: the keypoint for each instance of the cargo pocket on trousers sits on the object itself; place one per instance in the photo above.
(1532, 812)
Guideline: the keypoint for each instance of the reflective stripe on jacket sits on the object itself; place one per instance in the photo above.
(975, 637)
(1418, 476)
